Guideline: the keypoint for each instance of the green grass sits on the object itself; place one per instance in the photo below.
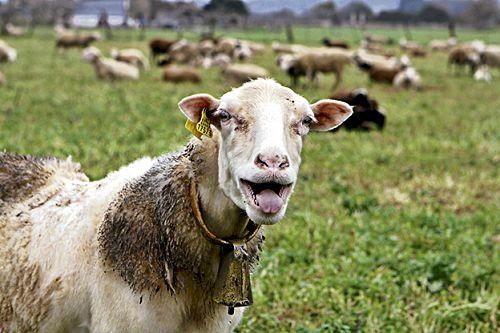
(387, 231)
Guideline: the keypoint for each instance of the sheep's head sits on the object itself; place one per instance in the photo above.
(262, 127)
(90, 54)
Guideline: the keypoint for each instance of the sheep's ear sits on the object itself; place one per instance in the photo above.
(192, 105)
(329, 114)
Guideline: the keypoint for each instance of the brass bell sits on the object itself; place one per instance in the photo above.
(233, 287)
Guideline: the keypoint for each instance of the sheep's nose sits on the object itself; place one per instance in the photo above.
(272, 161)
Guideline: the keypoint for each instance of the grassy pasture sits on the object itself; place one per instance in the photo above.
(387, 231)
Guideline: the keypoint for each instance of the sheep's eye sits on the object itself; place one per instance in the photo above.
(224, 116)
(307, 121)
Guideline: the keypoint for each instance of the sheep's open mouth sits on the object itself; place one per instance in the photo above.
(267, 197)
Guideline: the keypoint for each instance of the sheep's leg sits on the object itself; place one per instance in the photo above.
(310, 75)
(338, 80)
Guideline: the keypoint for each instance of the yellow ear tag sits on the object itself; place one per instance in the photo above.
(203, 125)
(191, 127)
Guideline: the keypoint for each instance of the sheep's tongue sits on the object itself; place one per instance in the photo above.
(269, 202)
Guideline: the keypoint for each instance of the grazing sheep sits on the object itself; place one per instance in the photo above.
(184, 52)
(413, 48)
(15, 31)
(408, 79)
(374, 39)
(242, 51)
(160, 46)
(109, 69)
(7, 53)
(220, 60)
(380, 73)
(67, 41)
(226, 46)
(442, 45)
(140, 250)
(367, 112)
(376, 49)
(483, 74)
(335, 43)
(131, 56)
(464, 55)
(288, 64)
(176, 74)
(490, 56)
(279, 48)
(256, 48)
(319, 60)
(380, 69)
(207, 47)
(240, 73)
(375, 59)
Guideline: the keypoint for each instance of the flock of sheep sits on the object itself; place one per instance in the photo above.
(183, 61)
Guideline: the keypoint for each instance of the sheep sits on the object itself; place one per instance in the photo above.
(379, 39)
(442, 45)
(109, 69)
(413, 48)
(380, 73)
(288, 64)
(464, 55)
(367, 112)
(131, 56)
(240, 73)
(139, 251)
(408, 79)
(319, 60)
(490, 56)
(66, 41)
(7, 53)
(242, 51)
(380, 69)
(226, 46)
(176, 74)
(375, 59)
(184, 52)
(279, 48)
(335, 43)
(483, 74)
(256, 48)
(160, 46)
(207, 47)
(13, 30)
(221, 60)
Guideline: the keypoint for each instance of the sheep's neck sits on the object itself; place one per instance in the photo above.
(222, 217)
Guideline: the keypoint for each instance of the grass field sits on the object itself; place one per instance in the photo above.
(389, 231)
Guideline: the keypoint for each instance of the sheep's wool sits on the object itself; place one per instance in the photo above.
(65, 238)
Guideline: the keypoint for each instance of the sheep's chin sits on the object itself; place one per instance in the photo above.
(259, 217)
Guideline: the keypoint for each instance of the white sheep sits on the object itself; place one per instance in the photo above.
(140, 250)
(408, 79)
(7, 53)
(109, 69)
(483, 74)
(133, 57)
(239, 73)
(219, 60)
(317, 60)
(15, 31)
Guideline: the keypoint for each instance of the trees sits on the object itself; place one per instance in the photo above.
(432, 13)
(324, 10)
(482, 13)
(237, 7)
